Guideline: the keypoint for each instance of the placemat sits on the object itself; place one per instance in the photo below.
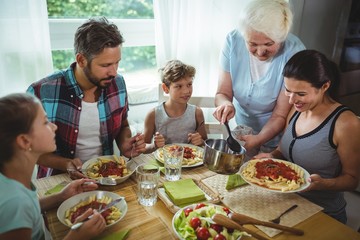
(44, 184)
(262, 204)
(137, 219)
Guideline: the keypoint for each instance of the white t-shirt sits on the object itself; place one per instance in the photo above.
(88, 144)
(258, 68)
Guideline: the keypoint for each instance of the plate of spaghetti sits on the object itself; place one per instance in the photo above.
(275, 175)
(109, 166)
(73, 207)
(193, 155)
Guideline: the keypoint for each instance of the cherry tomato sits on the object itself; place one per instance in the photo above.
(219, 236)
(199, 205)
(218, 228)
(187, 211)
(202, 233)
(226, 210)
(195, 222)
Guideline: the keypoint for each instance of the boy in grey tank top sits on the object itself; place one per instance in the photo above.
(175, 121)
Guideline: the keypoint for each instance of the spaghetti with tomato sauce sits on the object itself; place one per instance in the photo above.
(93, 205)
(110, 169)
(273, 170)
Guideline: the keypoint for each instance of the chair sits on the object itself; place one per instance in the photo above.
(213, 128)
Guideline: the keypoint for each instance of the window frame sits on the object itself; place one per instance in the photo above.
(136, 32)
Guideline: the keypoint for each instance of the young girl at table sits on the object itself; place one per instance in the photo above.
(322, 136)
(25, 134)
(175, 121)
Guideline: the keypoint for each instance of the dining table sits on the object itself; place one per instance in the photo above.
(155, 222)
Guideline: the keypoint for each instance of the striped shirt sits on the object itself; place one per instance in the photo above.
(61, 98)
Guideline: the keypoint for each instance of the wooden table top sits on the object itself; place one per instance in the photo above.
(155, 222)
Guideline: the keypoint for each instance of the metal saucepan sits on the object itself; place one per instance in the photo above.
(219, 158)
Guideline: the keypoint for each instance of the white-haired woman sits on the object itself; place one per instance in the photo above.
(250, 79)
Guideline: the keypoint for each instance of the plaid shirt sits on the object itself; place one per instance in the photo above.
(61, 98)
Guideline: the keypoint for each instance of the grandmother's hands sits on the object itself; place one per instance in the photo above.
(224, 113)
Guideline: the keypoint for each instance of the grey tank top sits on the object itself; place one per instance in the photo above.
(175, 130)
(316, 152)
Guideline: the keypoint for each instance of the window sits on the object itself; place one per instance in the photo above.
(135, 20)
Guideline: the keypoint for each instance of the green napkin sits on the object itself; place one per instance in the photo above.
(234, 181)
(157, 163)
(183, 192)
(56, 189)
(120, 235)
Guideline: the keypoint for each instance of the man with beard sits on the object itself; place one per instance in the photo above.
(88, 102)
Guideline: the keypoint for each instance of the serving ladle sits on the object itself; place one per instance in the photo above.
(228, 223)
(231, 141)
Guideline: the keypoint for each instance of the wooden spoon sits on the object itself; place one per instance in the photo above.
(243, 219)
(228, 223)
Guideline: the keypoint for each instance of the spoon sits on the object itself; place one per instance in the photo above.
(233, 144)
(243, 219)
(228, 223)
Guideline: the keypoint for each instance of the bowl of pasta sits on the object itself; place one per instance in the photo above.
(71, 208)
(109, 166)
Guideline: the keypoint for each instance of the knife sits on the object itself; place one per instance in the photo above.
(77, 225)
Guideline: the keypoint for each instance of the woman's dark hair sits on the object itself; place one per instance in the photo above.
(17, 111)
(95, 35)
(315, 68)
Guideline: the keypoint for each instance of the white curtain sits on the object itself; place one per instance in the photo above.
(25, 53)
(194, 31)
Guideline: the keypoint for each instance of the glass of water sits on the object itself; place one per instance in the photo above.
(147, 176)
(173, 157)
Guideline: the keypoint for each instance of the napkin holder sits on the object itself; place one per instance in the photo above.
(212, 196)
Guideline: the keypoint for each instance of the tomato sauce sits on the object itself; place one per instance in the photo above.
(273, 169)
(111, 168)
(188, 153)
(93, 205)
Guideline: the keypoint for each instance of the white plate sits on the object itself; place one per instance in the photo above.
(69, 203)
(198, 150)
(131, 166)
(192, 206)
(302, 187)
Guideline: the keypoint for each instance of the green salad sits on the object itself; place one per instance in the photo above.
(194, 222)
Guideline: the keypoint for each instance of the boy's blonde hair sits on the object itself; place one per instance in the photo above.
(174, 70)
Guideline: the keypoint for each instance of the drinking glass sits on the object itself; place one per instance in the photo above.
(241, 130)
(173, 157)
(147, 176)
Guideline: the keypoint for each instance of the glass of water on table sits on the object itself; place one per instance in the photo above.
(173, 157)
(147, 176)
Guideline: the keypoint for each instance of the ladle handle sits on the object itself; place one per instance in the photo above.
(227, 127)
(243, 219)
(227, 222)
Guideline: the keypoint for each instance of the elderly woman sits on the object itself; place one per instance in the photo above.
(322, 135)
(250, 80)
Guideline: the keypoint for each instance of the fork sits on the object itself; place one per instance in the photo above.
(277, 220)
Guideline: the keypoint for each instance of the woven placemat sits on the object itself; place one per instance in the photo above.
(44, 184)
(262, 204)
